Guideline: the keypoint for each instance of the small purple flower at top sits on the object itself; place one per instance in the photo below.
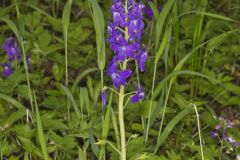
(138, 96)
(104, 97)
(11, 47)
(7, 71)
(28, 60)
(149, 11)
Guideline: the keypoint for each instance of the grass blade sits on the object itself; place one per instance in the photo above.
(70, 97)
(154, 9)
(171, 126)
(99, 25)
(40, 132)
(161, 20)
(106, 127)
(11, 100)
(79, 77)
(65, 23)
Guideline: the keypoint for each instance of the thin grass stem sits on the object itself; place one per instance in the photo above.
(199, 131)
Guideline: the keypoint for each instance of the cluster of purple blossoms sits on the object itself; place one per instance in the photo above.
(124, 36)
(12, 53)
(224, 125)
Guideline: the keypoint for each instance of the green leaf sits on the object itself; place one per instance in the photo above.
(154, 9)
(12, 26)
(165, 40)
(162, 18)
(170, 126)
(12, 101)
(80, 76)
(20, 113)
(40, 132)
(66, 15)
(71, 98)
(99, 25)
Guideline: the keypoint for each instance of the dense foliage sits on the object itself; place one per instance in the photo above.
(171, 66)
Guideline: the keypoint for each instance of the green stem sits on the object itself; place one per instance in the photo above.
(121, 123)
(66, 58)
(116, 130)
(121, 102)
(27, 75)
(102, 146)
(199, 131)
(121, 118)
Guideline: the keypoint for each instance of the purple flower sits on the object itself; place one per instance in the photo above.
(138, 96)
(125, 50)
(230, 124)
(11, 47)
(218, 126)
(214, 134)
(232, 141)
(135, 29)
(149, 12)
(28, 60)
(141, 57)
(7, 71)
(236, 144)
(104, 97)
(118, 77)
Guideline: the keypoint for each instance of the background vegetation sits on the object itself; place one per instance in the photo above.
(48, 111)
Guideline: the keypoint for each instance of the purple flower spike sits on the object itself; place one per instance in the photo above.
(104, 97)
(138, 96)
(124, 36)
(11, 47)
(7, 71)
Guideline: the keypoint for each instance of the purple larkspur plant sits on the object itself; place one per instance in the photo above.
(124, 37)
(138, 96)
(7, 71)
(11, 47)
